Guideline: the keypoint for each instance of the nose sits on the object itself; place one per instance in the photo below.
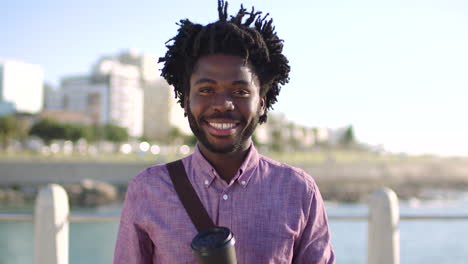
(223, 103)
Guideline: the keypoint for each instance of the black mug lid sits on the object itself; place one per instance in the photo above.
(216, 237)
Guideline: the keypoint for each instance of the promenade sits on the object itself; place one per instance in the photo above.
(24, 172)
(338, 179)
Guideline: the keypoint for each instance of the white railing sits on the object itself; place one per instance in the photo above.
(52, 216)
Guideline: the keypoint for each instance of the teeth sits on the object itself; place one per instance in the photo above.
(222, 125)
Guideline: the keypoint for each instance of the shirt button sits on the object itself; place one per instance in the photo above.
(225, 197)
(207, 182)
(243, 182)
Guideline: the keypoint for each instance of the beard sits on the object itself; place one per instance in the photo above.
(239, 141)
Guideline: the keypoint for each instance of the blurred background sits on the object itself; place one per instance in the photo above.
(377, 97)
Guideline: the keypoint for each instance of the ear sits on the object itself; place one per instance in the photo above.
(262, 105)
(186, 105)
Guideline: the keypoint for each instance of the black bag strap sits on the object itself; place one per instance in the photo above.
(188, 196)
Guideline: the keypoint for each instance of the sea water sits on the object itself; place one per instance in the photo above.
(422, 241)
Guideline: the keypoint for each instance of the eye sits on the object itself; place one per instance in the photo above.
(205, 90)
(242, 92)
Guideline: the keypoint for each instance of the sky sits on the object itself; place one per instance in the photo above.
(395, 70)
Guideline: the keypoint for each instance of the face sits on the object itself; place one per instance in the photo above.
(224, 103)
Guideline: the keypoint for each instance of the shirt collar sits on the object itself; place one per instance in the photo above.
(202, 169)
(248, 167)
(204, 172)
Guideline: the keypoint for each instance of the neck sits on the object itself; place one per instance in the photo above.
(225, 164)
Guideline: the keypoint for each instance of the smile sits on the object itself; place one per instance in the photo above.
(222, 128)
(222, 125)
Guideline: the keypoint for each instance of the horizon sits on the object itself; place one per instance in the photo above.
(395, 70)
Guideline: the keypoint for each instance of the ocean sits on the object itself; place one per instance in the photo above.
(422, 241)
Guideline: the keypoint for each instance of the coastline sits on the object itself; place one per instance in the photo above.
(99, 182)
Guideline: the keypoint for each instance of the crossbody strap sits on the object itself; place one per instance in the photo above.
(188, 196)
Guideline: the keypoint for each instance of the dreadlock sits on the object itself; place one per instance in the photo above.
(254, 39)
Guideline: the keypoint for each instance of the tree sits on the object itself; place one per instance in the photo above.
(74, 132)
(8, 128)
(348, 137)
(144, 138)
(175, 134)
(48, 130)
(255, 140)
(190, 140)
(115, 133)
(277, 140)
(96, 133)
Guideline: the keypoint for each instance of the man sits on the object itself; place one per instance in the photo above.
(226, 75)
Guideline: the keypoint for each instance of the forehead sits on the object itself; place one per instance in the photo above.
(223, 67)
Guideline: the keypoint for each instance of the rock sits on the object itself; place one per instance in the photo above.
(90, 193)
(10, 197)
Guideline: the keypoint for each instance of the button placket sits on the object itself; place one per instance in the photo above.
(225, 208)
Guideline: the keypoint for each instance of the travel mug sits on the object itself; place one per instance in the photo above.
(214, 245)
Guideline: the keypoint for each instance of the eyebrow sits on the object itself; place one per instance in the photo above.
(240, 82)
(206, 80)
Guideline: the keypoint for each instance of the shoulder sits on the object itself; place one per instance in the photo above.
(149, 187)
(291, 175)
(155, 177)
(150, 174)
(292, 184)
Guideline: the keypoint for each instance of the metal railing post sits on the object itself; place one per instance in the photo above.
(383, 231)
(51, 226)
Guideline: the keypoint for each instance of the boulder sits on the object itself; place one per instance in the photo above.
(90, 193)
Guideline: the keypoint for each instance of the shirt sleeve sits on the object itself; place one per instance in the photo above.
(133, 242)
(314, 245)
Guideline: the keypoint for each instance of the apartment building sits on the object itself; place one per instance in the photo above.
(21, 87)
(126, 90)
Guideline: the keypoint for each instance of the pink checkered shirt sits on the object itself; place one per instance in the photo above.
(275, 211)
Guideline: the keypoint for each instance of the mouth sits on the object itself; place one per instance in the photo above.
(222, 128)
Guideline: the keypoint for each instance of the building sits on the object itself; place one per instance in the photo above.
(53, 98)
(21, 87)
(161, 112)
(111, 94)
(67, 117)
(125, 90)
(281, 134)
